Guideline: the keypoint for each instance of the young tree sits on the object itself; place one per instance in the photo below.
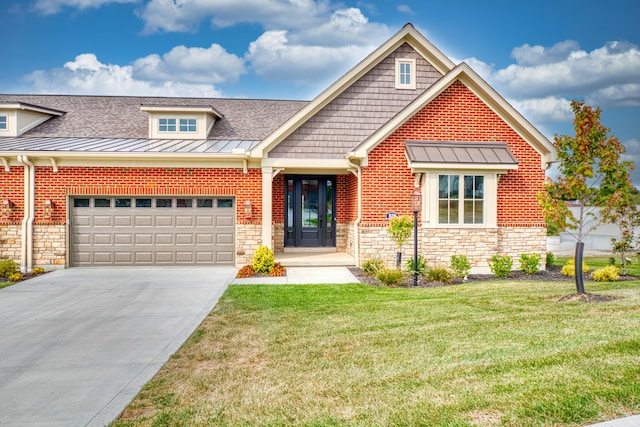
(627, 218)
(591, 176)
(399, 230)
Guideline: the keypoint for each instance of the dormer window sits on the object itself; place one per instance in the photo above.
(180, 121)
(405, 73)
(3, 122)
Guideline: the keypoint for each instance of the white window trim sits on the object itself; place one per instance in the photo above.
(430, 199)
(412, 75)
(177, 125)
(6, 121)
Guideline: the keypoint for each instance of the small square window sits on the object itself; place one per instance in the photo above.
(3, 123)
(143, 203)
(187, 125)
(163, 203)
(123, 203)
(225, 203)
(405, 73)
(204, 203)
(102, 203)
(184, 203)
(166, 125)
(80, 203)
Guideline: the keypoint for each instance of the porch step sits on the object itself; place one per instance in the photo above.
(315, 259)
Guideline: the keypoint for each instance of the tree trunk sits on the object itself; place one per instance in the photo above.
(398, 260)
(578, 265)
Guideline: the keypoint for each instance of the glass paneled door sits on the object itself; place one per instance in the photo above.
(310, 211)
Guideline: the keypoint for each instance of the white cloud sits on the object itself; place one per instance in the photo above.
(633, 154)
(545, 110)
(186, 15)
(49, 7)
(212, 65)
(87, 75)
(404, 8)
(274, 58)
(526, 55)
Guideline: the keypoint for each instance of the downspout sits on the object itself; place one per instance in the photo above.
(356, 224)
(26, 264)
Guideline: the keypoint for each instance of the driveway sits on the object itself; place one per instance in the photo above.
(77, 345)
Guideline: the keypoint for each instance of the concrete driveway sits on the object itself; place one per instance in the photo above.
(77, 345)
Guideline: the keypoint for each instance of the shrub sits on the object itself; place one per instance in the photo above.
(15, 276)
(277, 270)
(530, 263)
(8, 267)
(390, 276)
(440, 274)
(37, 270)
(460, 265)
(246, 271)
(610, 273)
(500, 265)
(550, 258)
(399, 229)
(569, 269)
(263, 260)
(422, 265)
(372, 266)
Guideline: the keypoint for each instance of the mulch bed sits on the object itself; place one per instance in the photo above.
(551, 274)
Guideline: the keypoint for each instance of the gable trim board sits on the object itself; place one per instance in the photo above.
(72, 155)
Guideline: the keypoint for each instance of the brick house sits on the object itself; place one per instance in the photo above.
(98, 180)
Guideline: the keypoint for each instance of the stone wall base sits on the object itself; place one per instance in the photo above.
(10, 242)
(437, 245)
(248, 238)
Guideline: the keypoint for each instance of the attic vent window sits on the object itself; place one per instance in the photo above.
(405, 73)
(3, 122)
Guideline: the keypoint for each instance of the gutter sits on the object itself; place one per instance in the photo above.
(26, 262)
(357, 171)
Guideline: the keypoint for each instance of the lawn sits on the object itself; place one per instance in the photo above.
(483, 354)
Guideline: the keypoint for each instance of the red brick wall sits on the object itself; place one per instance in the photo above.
(145, 181)
(455, 115)
(12, 188)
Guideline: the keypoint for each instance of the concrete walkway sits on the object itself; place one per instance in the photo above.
(304, 276)
(77, 345)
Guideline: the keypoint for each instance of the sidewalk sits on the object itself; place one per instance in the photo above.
(632, 421)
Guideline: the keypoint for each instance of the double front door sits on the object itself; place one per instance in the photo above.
(310, 205)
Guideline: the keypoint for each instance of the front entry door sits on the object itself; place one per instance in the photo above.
(310, 211)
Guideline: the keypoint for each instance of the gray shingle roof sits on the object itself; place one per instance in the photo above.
(477, 153)
(121, 117)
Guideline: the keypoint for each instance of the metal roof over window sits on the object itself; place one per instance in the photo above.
(460, 155)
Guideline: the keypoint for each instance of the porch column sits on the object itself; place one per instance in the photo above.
(267, 208)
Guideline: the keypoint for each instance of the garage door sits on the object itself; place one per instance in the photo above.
(126, 231)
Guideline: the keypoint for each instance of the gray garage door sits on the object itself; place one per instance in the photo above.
(126, 231)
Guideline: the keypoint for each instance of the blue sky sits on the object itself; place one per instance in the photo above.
(538, 55)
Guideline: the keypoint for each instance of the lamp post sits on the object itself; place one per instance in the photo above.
(416, 204)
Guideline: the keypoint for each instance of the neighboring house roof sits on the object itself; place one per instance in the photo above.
(459, 155)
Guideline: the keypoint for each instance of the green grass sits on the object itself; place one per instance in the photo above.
(6, 284)
(597, 262)
(483, 354)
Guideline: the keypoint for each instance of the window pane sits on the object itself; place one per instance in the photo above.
(225, 203)
(80, 203)
(468, 212)
(143, 203)
(204, 203)
(453, 212)
(479, 213)
(102, 203)
(163, 203)
(479, 187)
(443, 212)
(468, 187)
(3, 122)
(123, 203)
(454, 186)
(184, 203)
(443, 186)
(187, 125)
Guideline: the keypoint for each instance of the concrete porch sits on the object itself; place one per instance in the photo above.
(315, 259)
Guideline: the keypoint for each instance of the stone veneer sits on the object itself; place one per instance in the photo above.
(49, 246)
(248, 238)
(10, 242)
(438, 244)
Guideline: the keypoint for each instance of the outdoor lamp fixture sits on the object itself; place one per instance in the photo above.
(248, 209)
(7, 208)
(416, 205)
(48, 208)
